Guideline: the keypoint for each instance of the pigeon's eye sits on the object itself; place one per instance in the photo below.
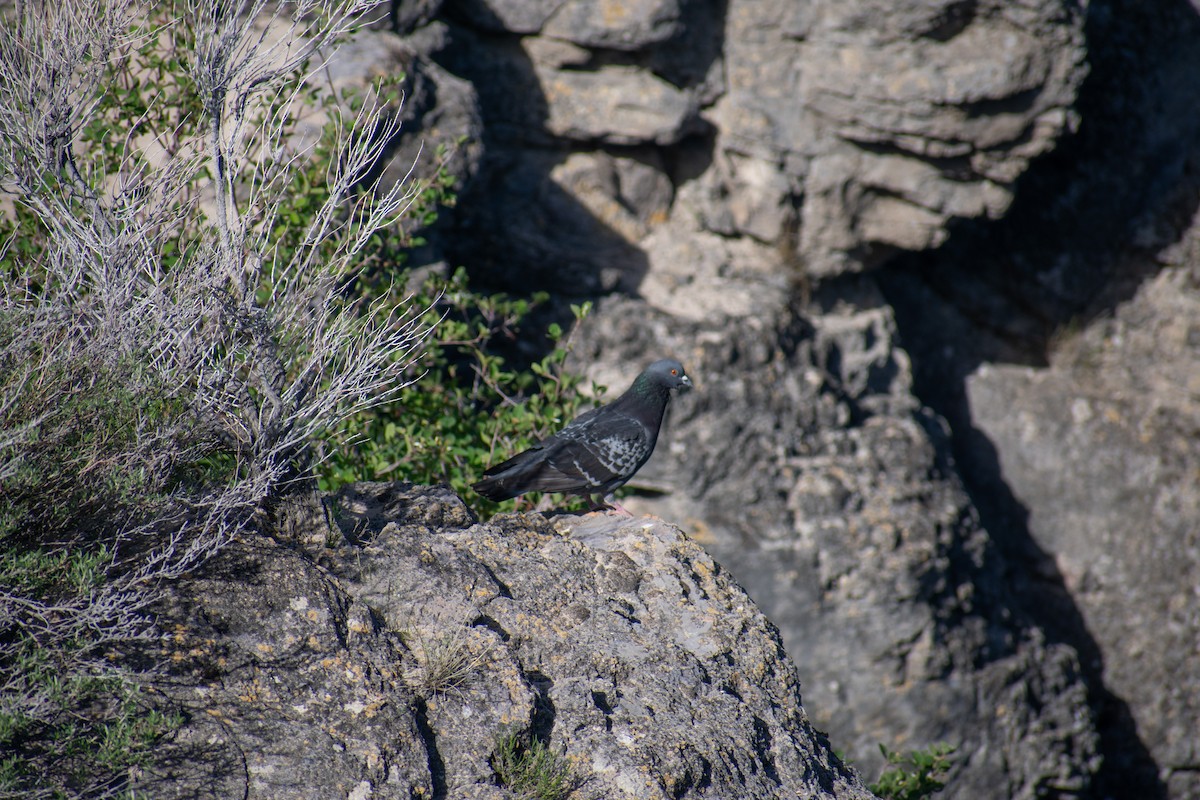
(674, 372)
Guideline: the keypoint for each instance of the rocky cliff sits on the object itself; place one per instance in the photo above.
(934, 267)
(385, 645)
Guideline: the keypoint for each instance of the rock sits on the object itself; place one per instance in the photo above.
(405, 16)
(916, 78)
(828, 493)
(615, 105)
(630, 195)
(371, 506)
(837, 212)
(625, 194)
(389, 668)
(840, 133)
(505, 16)
(587, 254)
(1099, 446)
(966, 94)
(288, 688)
(1056, 343)
(705, 276)
(616, 24)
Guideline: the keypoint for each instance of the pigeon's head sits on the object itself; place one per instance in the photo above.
(669, 374)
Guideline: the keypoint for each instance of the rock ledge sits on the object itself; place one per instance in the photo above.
(384, 656)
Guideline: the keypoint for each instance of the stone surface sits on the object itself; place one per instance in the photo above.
(810, 470)
(510, 16)
(874, 232)
(1100, 447)
(616, 24)
(1062, 360)
(837, 134)
(384, 658)
(616, 105)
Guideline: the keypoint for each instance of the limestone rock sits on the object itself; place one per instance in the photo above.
(516, 16)
(1056, 343)
(616, 24)
(1009, 174)
(1100, 446)
(840, 132)
(809, 469)
(388, 665)
(616, 105)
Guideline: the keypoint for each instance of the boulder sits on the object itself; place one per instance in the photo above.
(809, 470)
(390, 655)
(1100, 448)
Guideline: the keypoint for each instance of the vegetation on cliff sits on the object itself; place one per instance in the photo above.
(201, 310)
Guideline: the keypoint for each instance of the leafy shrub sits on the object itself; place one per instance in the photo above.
(191, 297)
(915, 775)
(470, 409)
(172, 336)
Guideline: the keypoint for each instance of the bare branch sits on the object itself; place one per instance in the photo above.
(157, 270)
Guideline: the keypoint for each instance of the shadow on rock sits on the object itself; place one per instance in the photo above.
(1082, 237)
(564, 191)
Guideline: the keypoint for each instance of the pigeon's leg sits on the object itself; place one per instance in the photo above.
(604, 503)
(611, 501)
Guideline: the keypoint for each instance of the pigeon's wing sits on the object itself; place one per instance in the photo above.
(529, 461)
(601, 450)
(555, 465)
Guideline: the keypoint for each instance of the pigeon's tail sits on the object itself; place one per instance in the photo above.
(494, 488)
(510, 478)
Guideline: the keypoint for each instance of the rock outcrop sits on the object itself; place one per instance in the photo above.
(386, 654)
(814, 475)
(932, 265)
(837, 132)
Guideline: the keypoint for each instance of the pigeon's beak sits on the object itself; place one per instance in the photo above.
(685, 383)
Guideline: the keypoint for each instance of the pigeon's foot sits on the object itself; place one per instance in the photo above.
(610, 502)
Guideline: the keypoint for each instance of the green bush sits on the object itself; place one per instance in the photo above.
(470, 409)
(94, 451)
(196, 317)
(914, 776)
(177, 324)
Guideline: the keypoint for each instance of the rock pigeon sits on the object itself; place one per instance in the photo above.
(599, 451)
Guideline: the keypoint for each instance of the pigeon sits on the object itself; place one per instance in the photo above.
(599, 451)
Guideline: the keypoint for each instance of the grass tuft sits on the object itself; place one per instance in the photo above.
(531, 770)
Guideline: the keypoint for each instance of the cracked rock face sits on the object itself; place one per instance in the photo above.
(1108, 465)
(857, 223)
(836, 131)
(388, 665)
(811, 474)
